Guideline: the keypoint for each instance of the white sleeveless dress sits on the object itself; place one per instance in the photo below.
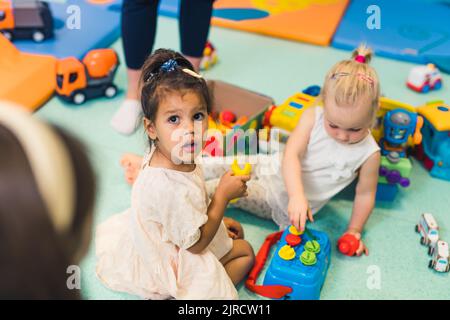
(143, 251)
(327, 167)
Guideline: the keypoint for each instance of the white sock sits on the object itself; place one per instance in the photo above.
(125, 120)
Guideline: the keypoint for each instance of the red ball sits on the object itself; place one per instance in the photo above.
(227, 116)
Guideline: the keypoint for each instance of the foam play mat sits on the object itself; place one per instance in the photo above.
(98, 26)
(410, 30)
(312, 21)
(25, 79)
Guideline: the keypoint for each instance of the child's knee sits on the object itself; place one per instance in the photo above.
(246, 249)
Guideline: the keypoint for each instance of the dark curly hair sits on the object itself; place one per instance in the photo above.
(162, 74)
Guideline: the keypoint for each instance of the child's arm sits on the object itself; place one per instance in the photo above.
(229, 187)
(292, 169)
(365, 196)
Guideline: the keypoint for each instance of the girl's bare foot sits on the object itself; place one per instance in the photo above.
(131, 164)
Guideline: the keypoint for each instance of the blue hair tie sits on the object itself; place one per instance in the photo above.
(169, 65)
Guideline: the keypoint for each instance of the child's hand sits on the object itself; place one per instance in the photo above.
(298, 211)
(235, 230)
(362, 247)
(231, 186)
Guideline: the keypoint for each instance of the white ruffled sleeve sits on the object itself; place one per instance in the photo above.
(178, 206)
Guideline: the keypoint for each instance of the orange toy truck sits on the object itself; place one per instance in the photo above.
(26, 19)
(78, 81)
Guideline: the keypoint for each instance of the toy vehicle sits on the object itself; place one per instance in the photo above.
(434, 151)
(429, 229)
(424, 78)
(399, 125)
(440, 261)
(298, 268)
(93, 77)
(26, 19)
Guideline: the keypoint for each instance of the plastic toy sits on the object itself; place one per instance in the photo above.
(209, 57)
(26, 19)
(78, 81)
(348, 244)
(424, 78)
(398, 126)
(26, 79)
(428, 229)
(386, 105)
(227, 117)
(440, 257)
(238, 171)
(434, 151)
(395, 170)
(386, 191)
(286, 115)
(313, 90)
(298, 268)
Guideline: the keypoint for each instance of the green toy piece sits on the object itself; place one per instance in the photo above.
(308, 258)
(403, 166)
(312, 246)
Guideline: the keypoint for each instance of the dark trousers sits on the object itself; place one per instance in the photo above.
(139, 19)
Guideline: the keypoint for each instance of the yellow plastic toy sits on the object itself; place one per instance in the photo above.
(286, 252)
(287, 114)
(238, 171)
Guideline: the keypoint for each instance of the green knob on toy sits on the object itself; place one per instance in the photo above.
(308, 258)
(312, 246)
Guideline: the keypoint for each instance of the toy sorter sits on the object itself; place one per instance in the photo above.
(298, 267)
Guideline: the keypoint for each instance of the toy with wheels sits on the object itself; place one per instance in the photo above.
(434, 151)
(77, 81)
(298, 267)
(424, 78)
(428, 229)
(440, 261)
(26, 19)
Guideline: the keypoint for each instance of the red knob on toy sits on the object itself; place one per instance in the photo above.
(348, 244)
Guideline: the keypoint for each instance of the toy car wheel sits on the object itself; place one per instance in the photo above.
(417, 228)
(431, 264)
(430, 251)
(38, 36)
(437, 85)
(426, 88)
(79, 98)
(422, 241)
(8, 35)
(448, 268)
(111, 91)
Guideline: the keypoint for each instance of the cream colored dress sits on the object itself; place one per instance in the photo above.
(143, 251)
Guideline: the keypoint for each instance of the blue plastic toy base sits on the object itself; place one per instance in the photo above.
(410, 30)
(386, 191)
(99, 27)
(305, 281)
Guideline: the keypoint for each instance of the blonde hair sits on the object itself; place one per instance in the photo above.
(353, 80)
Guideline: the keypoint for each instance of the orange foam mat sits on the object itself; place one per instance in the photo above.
(312, 21)
(26, 79)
